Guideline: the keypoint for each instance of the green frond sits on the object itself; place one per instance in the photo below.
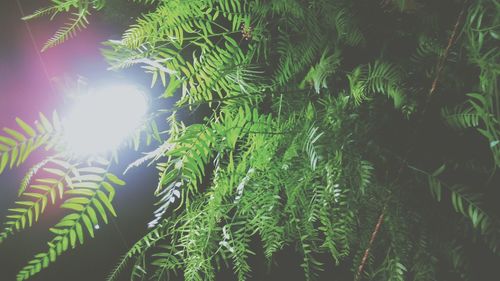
(51, 10)
(424, 262)
(459, 260)
(427, 48)
(309, 146)
(173, 20)
(318, 74)
(47, 188)
(139, 248)
(280, 8)
(365, 175)
(379, 77)
(78, 22)
(468, 204)
(396, 270)
(294, 57)
(89, 202)
(17, 145)
(348, 31)
(221, 63)
(460, 118)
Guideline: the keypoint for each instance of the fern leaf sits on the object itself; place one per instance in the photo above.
(69, 30)
(85, 201)
(461, 118)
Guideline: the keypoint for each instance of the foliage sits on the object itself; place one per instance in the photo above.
(317, 119)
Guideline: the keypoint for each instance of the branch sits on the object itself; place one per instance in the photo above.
(370, 244)
(451, 40)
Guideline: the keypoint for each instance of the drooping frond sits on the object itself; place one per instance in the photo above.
(17, 145)
(318, 74)
(379, 77)
(78, 22)
(46, 188)
(89, 203)
(460, 118)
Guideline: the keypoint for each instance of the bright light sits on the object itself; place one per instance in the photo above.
(101, 120)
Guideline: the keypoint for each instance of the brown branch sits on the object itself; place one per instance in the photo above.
(370, 244)
(451, 40)
(439, 69)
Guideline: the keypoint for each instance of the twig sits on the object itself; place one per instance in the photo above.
(439, 68)
(451, 40)
(370, 244)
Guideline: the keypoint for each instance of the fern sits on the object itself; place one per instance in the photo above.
(140, 247)
(79, 10)
(377, 77)
(285, 156)
(77, 23)
(309, 147)
(16, 146)
(89, 202)
(469, 204)
(318, 74)
(36, 197)
(347, 29)
(461, 118)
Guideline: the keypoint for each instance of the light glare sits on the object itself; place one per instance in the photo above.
(101, 120)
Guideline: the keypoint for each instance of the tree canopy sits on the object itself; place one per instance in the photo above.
(361, 134)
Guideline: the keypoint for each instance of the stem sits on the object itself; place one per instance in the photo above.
(451, 40)
(370, 244)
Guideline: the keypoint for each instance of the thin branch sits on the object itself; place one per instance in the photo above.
(370, 244)
(451, 40)
(439, 68)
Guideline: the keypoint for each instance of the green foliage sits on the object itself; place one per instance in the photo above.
(84, 188)
(296, 150)
(79, 11)
(378, 77)
(38, 194)
(481, 31)
(469, 205)
(88, 199)
(319, 73)
(17, 145)
(461, 118)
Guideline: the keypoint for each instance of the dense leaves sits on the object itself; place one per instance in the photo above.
(321, 120)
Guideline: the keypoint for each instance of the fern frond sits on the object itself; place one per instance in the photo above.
(140, 247)
(347, 30)
(378, 77)
(460, 118)
(78, 22)
(150, 156)
(396, 270)
(294, 57)
(35, 199)
(92, 194)
(318, 74)
(365, 174)
(469, 205)
(427, 48)
(310, 148)
(169, 23)
(17, 145)
(51, 10)
(221, 63)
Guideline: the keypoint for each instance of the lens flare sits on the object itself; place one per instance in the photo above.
(101, 120)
